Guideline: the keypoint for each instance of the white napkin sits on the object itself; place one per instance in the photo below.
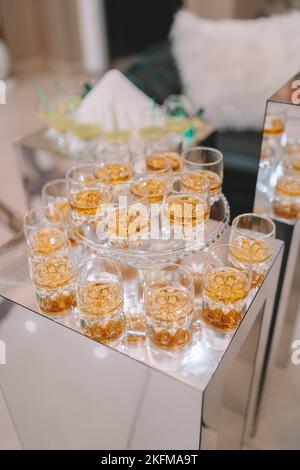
(114, 102)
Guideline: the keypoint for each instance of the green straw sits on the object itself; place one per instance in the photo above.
(41, 95)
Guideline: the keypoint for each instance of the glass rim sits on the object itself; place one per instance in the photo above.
(188, 194)
(228, 247)
(143, 157)
(60, 252)
(179, 176)
(82, 166)
(215, 151)
(111, 148)
(53, 182)
(88, 260)
(136, 199)
(261, 235)
(177, 266)
(44, 208)
(143, 174)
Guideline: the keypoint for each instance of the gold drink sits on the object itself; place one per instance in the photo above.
(54, 278)
(274, 127)
(215, 181)
(195, 182)
(175, 160)
(154, 189)
(53, 273)
(100, 304)
(256, 251)
(170, 311)
(47, 241)
(117, 172)
(186, 211)
(225, 293)
(57, 302)
(157, 162)
(87, 202)
(136, 326)
(286, 203)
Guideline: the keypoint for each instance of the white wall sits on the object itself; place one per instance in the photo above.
(93, 35)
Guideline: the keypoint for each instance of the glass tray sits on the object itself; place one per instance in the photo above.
(159, 250)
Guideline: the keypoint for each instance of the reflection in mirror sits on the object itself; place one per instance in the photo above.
(278, 183)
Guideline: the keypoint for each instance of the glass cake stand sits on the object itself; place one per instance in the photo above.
(152, 251)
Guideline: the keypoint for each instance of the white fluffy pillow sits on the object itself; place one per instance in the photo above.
(231, 67)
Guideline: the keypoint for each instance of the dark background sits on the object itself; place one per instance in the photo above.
(134, 25)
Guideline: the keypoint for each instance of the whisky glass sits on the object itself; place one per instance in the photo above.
(100, 299)
(127, 220)
(253, 235)
(169, 147)
(54, 276)
(116, 160)
(54, 194)
(293, 147)
(196, 183)
(291, 165)
(225, 294)
(286, 200)
(210, 163)
(275, 123)
(44, 230)
(184, 215)
(152, 186)
(169, 305)
(88, 192)
(153, 163)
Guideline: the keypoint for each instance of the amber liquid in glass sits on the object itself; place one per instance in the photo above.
(106, 331)
(195, 182)
(53, 273)
(257, 252)
(47, 241)
(54, 278)
(157, 162)
(87, 202)
(215, 181)
(175, 160)
(58, 302)
(100, 305)
(186, 211)
(286, 204)
(63, 207)
(117, 172)
(226, 290)
(154, 189)
(136, 326)
(170, 312)
(127, 222)
(276, 128)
